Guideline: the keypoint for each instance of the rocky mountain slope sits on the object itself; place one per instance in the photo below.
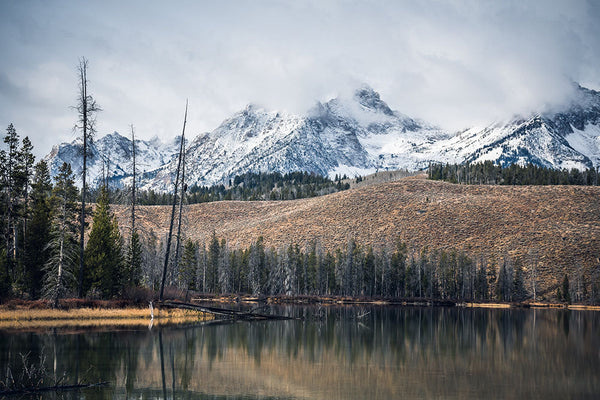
(112, 154)
(353, 136)
(559, 223)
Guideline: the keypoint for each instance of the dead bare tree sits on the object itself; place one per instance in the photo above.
(181, 197)
(175, 191)
(86, 109)
(133, 181)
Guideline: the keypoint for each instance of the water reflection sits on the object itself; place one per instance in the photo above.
(334, 353)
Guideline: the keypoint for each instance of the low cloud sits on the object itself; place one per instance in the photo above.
(451, 63)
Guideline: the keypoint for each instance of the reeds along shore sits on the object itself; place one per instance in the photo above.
(21, 318)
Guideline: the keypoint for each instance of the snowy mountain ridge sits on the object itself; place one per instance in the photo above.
(353, 136)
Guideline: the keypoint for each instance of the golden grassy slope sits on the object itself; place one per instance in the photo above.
(561, 223)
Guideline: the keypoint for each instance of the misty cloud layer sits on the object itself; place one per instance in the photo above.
(454, 64)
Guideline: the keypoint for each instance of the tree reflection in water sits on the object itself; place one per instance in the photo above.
(336, 353)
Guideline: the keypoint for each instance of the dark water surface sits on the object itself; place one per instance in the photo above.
(334, 353)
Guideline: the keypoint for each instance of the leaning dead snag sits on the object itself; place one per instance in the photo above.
(168, 249)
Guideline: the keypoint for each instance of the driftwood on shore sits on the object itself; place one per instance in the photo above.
(224, 312)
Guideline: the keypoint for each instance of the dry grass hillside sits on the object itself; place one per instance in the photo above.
(560, 223)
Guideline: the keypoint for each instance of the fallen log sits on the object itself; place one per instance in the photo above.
(224, 312)
(32, 390)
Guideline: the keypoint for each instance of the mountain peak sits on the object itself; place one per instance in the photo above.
(354, 132)
(369, 98)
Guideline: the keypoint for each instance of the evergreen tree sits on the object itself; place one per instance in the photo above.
(481, 283)
(565, 292)
(62, 248)
(133, 261)
(134, 250)
(518, 291)
(26, 169)
(103, 252)
(188, 265)
(37, 236)
(312, 267)
(212, 266)
(11, 189)
(397, 274)
(491, 278)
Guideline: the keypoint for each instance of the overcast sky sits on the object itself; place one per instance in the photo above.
(454, 64)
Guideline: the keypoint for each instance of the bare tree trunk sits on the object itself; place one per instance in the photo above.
(183, 189)
(84, 114)
(133, 200)
(181, 146)
(60, 268)
(86, 107)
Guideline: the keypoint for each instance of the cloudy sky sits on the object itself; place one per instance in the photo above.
(452, 63)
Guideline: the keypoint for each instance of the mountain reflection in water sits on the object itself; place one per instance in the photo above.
(333, 353)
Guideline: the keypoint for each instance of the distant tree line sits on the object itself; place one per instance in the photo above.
(361, 271)
(487, 173)
(246, 187)
(268, 186)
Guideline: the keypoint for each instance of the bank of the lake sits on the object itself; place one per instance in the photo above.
(26, 317)
(83, 314)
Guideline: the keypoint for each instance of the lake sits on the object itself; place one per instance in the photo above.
(353, 352)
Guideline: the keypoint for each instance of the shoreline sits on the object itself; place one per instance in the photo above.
(39, 318)
(334, 300)
(34, 315)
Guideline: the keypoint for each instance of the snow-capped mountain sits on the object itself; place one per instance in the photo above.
(112, 155)
(353, 136)
(567, 138)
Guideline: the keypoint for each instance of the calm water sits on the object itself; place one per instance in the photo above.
(334, 353)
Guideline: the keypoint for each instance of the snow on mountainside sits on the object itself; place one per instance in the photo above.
(356, 135)
(114, 152)
(568, 138)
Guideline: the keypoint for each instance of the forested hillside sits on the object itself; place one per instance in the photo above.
(408, 238)
(545, 231)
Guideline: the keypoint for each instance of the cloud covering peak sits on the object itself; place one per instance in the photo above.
(452, 63)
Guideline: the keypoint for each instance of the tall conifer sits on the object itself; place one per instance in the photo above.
(37, 236)
(103, 252)
(62, 248)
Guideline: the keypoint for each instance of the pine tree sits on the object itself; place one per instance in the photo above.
(37, 236)
(103, 253)
(398, 271)
(26, 162)
(566, 292)
(188, 265)
(492, 278)
(518, 290)
(10, 183)
(133, 261)
(133, 271)
(62, 248)
(212, 266)
(481, 283)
